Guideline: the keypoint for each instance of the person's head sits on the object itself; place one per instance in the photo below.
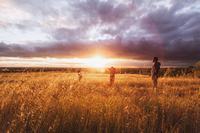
(112, 67)
(155, 59)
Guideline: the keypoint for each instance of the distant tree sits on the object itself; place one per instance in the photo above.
(197, 64)
(197, 69)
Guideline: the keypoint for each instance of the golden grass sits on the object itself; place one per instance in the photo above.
(56, 102)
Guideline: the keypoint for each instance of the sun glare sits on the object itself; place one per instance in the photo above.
(96, 62)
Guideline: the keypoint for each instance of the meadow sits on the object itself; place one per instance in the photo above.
(56, 102)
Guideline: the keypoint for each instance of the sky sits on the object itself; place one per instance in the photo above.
(60, 32)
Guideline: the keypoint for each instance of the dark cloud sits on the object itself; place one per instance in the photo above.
(13, 50)
(170, 26)
(66, 34)
(103, 11)
(184, 50)
(96, 13)
(143, 49)
(118, 18)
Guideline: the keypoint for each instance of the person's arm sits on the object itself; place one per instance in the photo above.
(153, 69)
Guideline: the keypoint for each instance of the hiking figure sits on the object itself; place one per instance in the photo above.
(155, 72)
(112, 71)
(80, 76)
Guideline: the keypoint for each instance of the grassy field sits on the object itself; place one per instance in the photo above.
(56, 102)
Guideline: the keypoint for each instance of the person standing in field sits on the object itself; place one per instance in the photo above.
(155, 72)
(80, 76)
(112, 71)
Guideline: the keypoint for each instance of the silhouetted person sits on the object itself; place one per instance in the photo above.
(155, 72)
(80, 76)
(112, 71)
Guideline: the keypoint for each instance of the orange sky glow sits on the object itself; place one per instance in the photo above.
(96, 61)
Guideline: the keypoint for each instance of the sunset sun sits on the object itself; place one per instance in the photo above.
(96, 62)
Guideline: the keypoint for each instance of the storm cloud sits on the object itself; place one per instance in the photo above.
(134, 29)
(141, 50)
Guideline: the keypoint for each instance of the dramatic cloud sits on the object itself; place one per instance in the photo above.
(142, 49)
(135, 29)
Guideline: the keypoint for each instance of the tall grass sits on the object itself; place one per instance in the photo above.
(56, 102)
